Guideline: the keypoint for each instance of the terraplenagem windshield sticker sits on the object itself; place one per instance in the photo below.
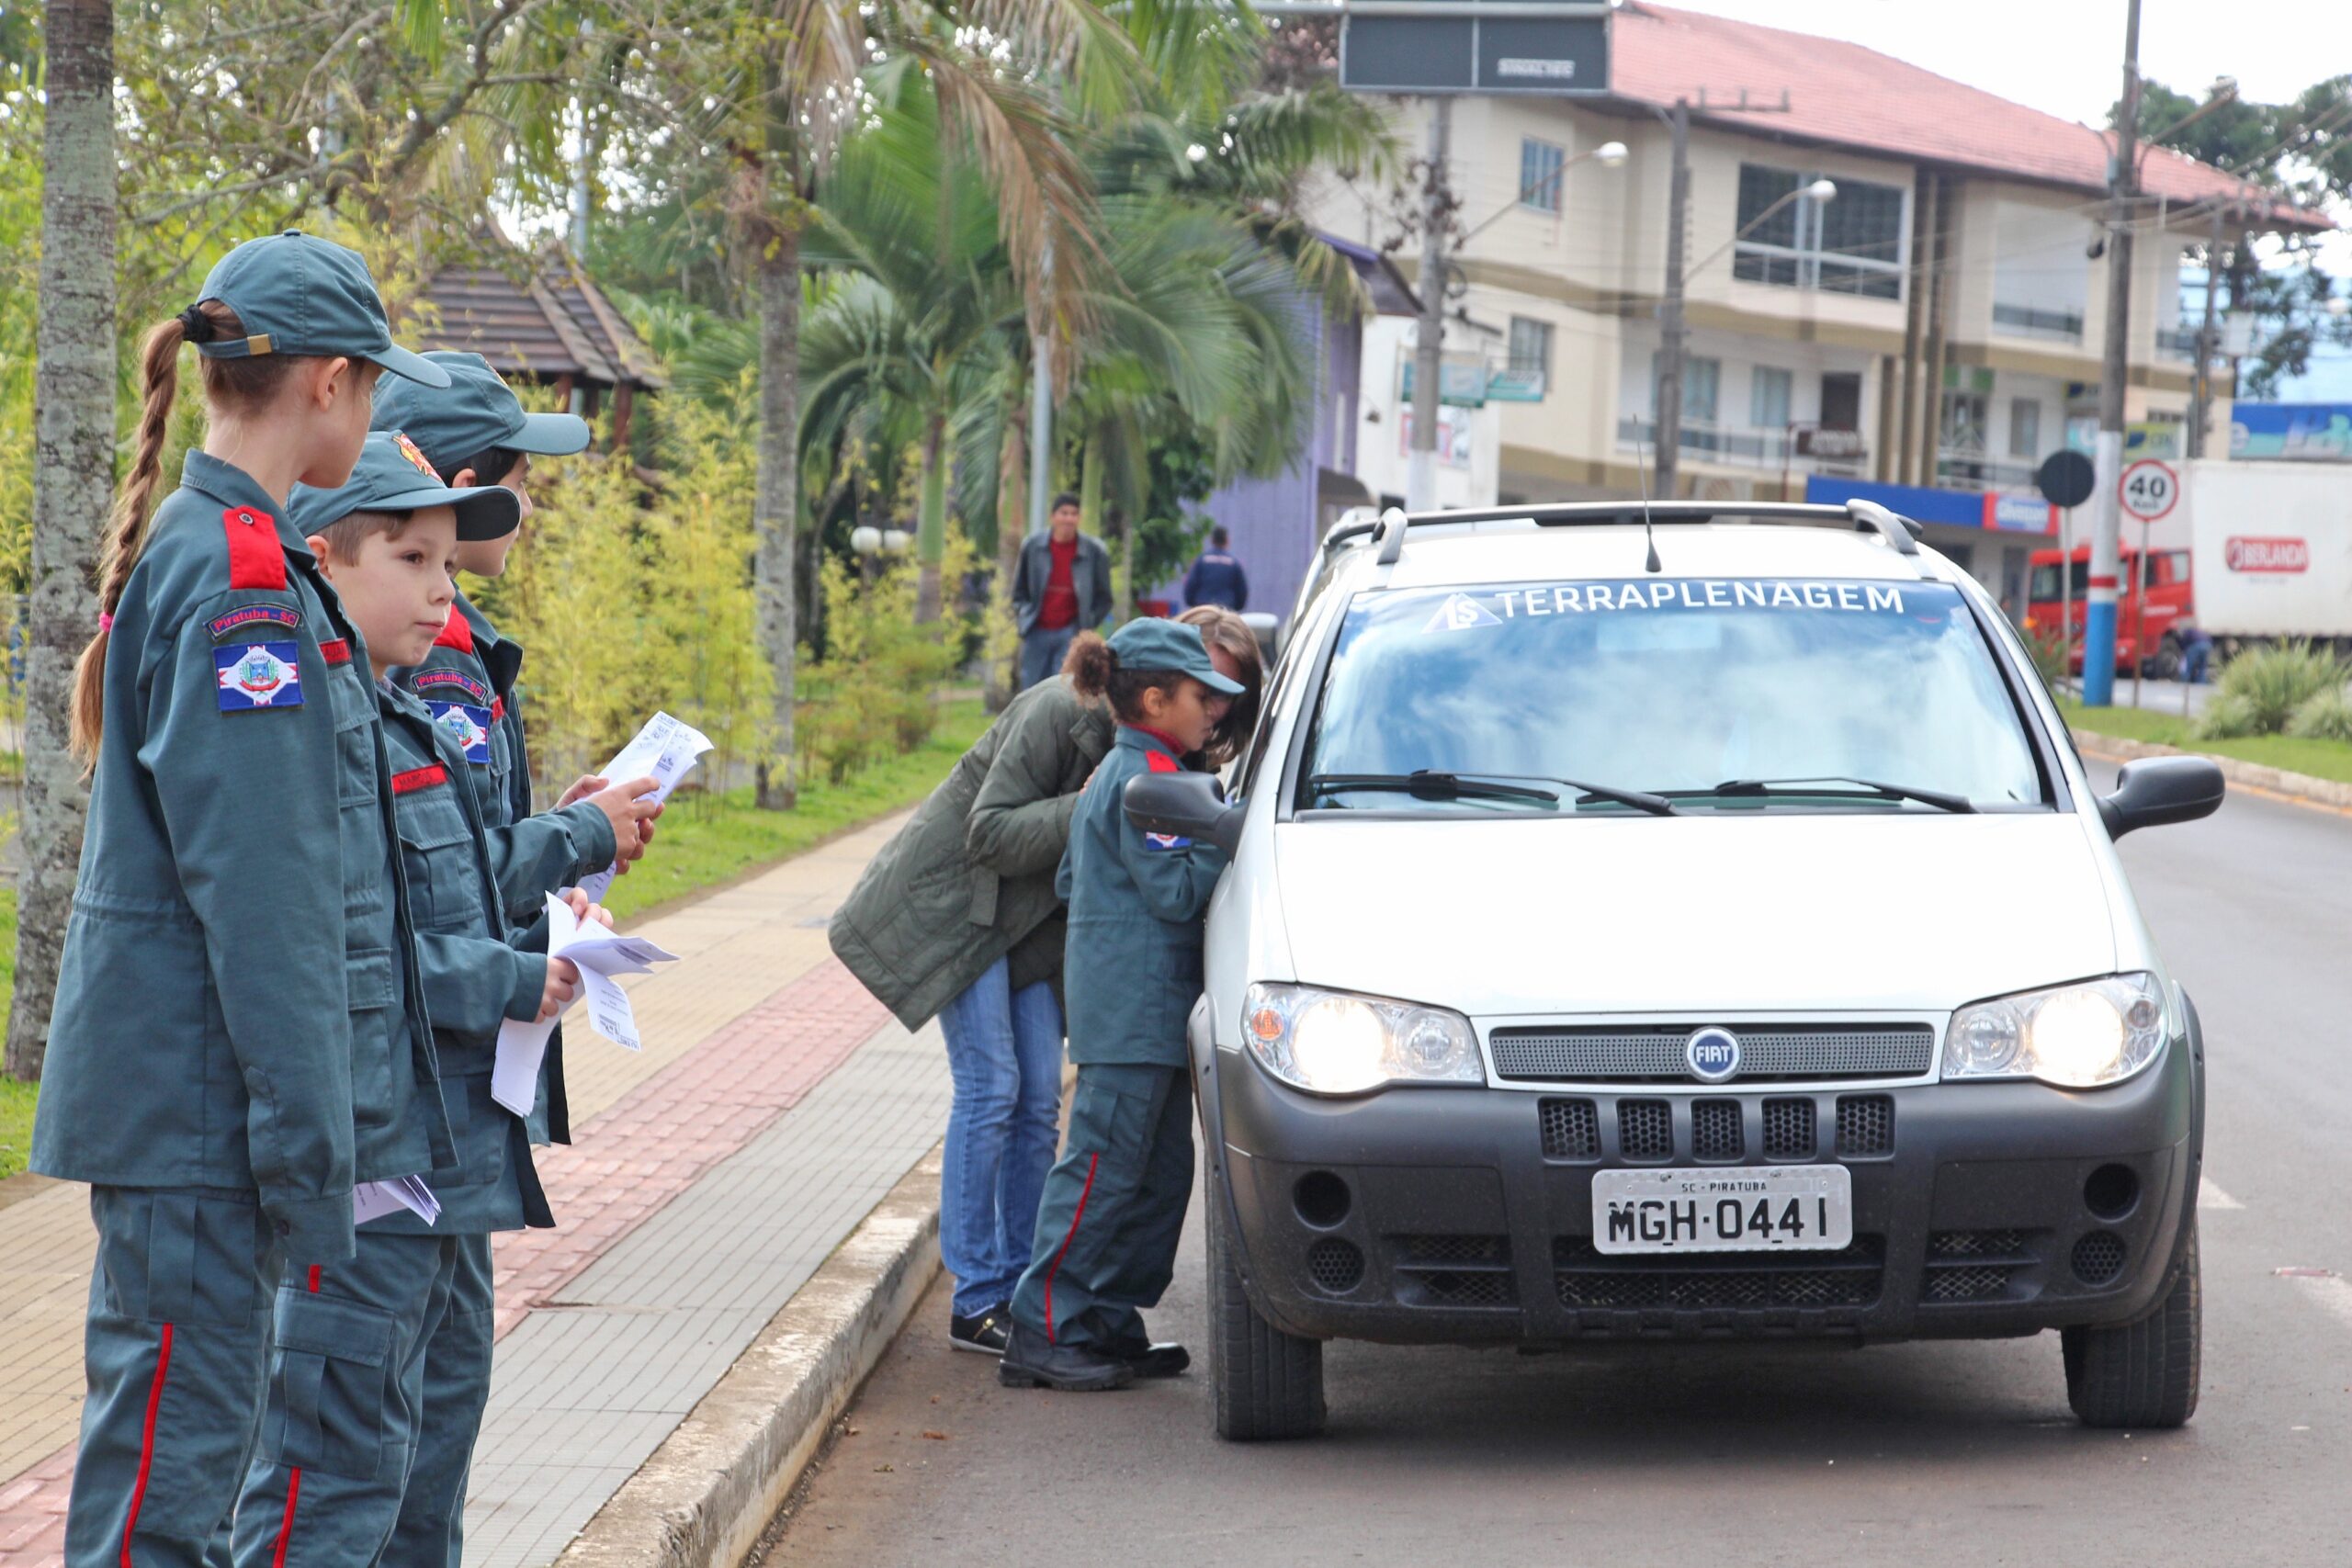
(1470, 612)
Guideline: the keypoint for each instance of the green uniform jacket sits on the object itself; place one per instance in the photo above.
(474, 974)
(1135, 900)
(237, 1002)
(970, 879)
(467, 683)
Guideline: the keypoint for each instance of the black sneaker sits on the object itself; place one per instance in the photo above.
(984, 1332)
(1031, 1362)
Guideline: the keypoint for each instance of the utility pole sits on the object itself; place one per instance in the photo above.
(1668, 457)
(2208, 340)
(2098, 614)
(1420, 474)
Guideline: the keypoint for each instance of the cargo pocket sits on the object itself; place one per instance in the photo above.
(332, 1373)
(444, 886)
(1107, 1117)
(367, 991)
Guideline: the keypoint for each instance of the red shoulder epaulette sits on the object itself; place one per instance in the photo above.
(1161, 762)
(256, 558)
(457, 632)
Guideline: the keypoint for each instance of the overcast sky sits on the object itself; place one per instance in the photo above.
(2065, 57)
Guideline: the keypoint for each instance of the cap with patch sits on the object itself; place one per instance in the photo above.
(294, 293)
(1149, 643)
(474, 413)
(393, 476)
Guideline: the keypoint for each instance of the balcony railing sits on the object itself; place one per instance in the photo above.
(2177, 343)
(2033, 320)
(1977, 471)
(1741, 446)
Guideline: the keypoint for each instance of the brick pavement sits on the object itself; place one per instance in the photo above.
(755, 1015)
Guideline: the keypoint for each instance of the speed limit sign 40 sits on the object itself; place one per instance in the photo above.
(2150, 490)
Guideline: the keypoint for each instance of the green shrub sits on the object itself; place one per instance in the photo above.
(2259, 690)
(2052, 655)
(876, 691)
(2327, 715)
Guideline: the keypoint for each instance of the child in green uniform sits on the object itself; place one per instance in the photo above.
(1114, 1204)
(238, 1034)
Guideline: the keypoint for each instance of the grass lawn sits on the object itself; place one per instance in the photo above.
(706, 840)
(2319, 758)
(16, 1099)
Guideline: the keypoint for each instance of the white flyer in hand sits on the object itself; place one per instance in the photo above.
(665, 751)
(374, 1200)
(599, 955)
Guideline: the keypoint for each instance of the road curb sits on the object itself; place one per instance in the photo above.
(2253, 775)
(703, 1497)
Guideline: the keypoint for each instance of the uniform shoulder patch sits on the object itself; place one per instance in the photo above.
(248, 620)
(468, 726)
(458, 633)
(1166, 841)
(258, 675)
(415, 779)
(442, 677)
(1161, 762)
(256, 558)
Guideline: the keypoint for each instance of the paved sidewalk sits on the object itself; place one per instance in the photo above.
(775, 1103)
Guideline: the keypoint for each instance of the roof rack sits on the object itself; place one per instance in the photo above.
(1389, 530)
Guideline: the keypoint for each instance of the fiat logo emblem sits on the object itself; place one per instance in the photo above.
(1712, 1053)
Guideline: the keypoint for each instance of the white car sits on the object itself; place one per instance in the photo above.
(1696, 931)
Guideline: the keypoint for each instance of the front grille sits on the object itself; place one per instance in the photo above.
(1429, 1251)
(1974, 1244)
(1571, 1130)
(1645, 1130)
(1452, 1289)
(1865, 1126)
(1715, 1130)
(2098, 1258)
(1975, 1265)
(1975, 1283)
(1452, 1271)
(1589, 1281)
(1767, 1052)
(1788, 1129)
(1335, 1266)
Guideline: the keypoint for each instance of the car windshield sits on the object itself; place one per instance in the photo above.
(1718, 695)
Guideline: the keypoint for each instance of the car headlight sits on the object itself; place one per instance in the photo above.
(2080, 1036)
(1337, 1043)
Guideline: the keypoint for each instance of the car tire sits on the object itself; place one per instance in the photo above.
(1269, 1384)
(2143, 1374)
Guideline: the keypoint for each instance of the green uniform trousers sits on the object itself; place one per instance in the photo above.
(1113, 1208)
(431, 1532)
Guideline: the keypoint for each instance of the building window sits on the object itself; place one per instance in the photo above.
(1530, 347)
(1853, 245)
(1768, 398)
(2025, 428)
(1702, 379)
(1540, 164)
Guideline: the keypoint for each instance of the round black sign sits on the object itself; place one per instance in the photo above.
(2065, 478)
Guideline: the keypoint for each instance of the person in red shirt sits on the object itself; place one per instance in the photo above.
(1061, 586)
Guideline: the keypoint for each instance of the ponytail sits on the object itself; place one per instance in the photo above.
(237, 381)
(1090, 665)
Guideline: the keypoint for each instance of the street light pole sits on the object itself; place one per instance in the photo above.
(1667, 458)
(2207, 339)
(1420, 474)
(1041, 416)
(2107, 528)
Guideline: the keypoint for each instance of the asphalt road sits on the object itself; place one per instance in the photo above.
(1937, 1453)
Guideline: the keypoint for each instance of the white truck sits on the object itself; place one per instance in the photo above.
(2271, 551)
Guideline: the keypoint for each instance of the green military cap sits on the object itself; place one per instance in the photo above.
(294, 293)
(476, 413)
(1149, 643)
(393, 476)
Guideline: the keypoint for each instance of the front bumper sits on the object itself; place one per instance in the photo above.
(1439, 1215)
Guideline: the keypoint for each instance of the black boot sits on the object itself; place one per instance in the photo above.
(1162, 1359)
(1031, 1361)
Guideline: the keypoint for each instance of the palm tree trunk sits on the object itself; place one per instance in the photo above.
(1011, 524)
(931, 526)
(776, 502)
(73, 472)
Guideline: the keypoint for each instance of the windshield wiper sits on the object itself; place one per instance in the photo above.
(1426, 784)
(1942, 800)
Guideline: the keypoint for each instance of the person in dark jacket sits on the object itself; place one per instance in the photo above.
(1217, 577)
(1061, 586)
(1105, 1242)
(957, 918)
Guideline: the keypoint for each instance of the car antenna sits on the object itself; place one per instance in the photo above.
(1641, 473)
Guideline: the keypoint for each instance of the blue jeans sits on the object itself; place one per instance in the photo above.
(1005, 1053)
(1042, 653)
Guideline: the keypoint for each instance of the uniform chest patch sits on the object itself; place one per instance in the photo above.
(250, 619)
(1166, 841)
(431, 680)
(259, 675)
(468, 727)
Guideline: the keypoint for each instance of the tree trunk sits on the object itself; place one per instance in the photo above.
(931, 526)
(73, 475)
(1012, 524)
(775, 504)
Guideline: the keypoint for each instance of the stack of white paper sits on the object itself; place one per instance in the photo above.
(374, 1200)
(600, 954)
(665, 751)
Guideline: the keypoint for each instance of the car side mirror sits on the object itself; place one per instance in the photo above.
(1186, 805)
(2158, 790)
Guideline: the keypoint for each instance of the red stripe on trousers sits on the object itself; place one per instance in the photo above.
(1086, 1192)
(286, 1529)
(147, 1444)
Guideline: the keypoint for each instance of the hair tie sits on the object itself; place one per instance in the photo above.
(195, 325)
(106, 622)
